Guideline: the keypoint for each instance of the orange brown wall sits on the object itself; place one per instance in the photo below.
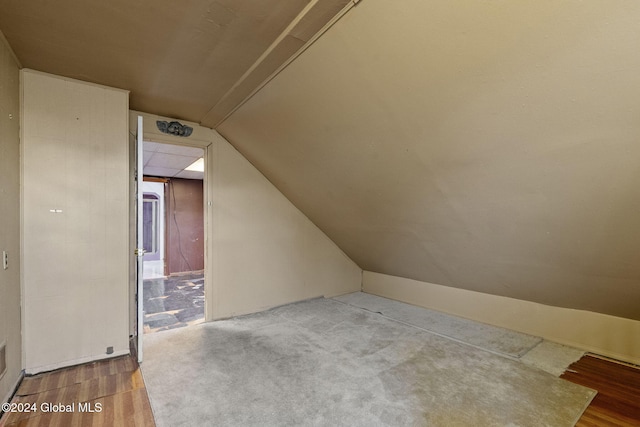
(185, 226)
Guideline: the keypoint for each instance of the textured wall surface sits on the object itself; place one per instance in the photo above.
(10, 215)
(489, 146)
(266, 252)
(75, 221)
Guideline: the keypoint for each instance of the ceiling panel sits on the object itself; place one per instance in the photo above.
(189, 175)
(180, 150)
(161, 171)
(178, 59)
(168, 160)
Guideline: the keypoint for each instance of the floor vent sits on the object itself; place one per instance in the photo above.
(3, 359)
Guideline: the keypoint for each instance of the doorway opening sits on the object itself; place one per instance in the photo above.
(173, 236)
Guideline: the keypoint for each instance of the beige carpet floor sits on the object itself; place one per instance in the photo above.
(487, 337)
(326, 363)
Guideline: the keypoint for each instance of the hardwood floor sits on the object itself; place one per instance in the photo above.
(105, 393)
(618, 400)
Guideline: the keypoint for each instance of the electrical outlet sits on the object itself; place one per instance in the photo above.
(5, 260)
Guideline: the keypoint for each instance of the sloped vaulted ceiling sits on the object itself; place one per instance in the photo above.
(490, 146)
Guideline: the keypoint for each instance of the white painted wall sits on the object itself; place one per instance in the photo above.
(260, 250)
(602, 334)
(10, 218)
(75, 261)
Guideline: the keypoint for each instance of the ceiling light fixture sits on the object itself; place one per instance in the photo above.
(197, 166)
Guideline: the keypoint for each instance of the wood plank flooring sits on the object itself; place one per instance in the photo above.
(105, 393)
(618, 400)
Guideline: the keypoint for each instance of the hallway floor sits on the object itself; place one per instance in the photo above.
(173, 302)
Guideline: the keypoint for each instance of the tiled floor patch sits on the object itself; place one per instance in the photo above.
(173, 302)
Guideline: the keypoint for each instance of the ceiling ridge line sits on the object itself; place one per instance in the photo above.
(285, 64)
(264, 55)
(4, 40)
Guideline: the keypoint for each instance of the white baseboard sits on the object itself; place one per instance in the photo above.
(45, 368)
(598, 333)
(13, 389)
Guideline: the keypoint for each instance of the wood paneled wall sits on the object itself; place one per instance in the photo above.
(185, 225)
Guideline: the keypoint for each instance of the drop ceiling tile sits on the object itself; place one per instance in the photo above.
(150, 146)
(146, 156)
(163, 172)
(171, 161)
(180, 150)
(190, 175)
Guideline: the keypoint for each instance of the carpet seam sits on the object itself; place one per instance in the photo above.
(505, 355)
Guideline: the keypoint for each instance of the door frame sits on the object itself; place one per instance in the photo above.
(139, 251)
(201, 138)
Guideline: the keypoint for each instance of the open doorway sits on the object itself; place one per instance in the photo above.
(173, 236)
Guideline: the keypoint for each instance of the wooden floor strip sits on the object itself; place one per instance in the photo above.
(104, 393)
(77, 374)
(618, 400)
